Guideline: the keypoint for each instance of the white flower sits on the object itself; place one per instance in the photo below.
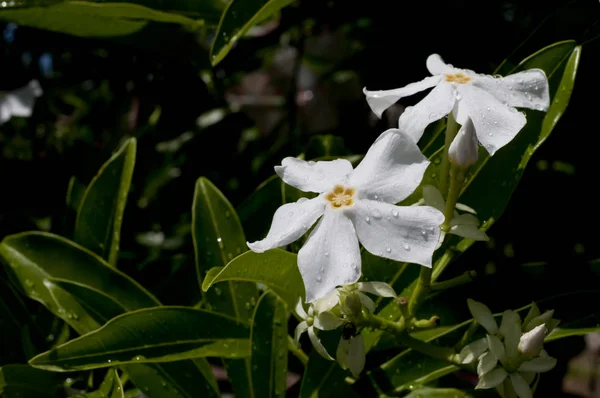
(19, 102)
(465, 225)
(355, 205)
(351, 354)
(489, 101)
(464, 148)
(532, 342)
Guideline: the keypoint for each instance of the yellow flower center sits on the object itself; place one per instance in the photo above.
(340, 196)
(459, 78)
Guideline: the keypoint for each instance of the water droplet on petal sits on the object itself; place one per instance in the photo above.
(394, 212)
(367, 219)
(311, 162)
(388, 249)
(376, 214)
(326, 254)
(406, 247)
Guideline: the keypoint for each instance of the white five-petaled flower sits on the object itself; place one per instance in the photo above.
(19, 102)
(489, 101)
(355, 205)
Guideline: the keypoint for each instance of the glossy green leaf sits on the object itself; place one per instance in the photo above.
(75, 192)
(428, 392)
(20, 381)
(116, 18)
(111, 387)
(268, 337)
(100, 214)
(160, 334)
(218, 238)
(275, 268)
(238, 18)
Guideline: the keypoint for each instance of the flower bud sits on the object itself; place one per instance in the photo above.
(464, 148)
(532, 342)
(351, 305)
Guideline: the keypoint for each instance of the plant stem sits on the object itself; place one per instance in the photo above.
(441, 264)
(298, 353)
(421, 290)
(451, 130)
(457, 177)
(465, 278)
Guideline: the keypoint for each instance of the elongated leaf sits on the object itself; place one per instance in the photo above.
(111, 387)
(100, 214)
(160, 334)
(276, 268)
(438, 393)
(237, 19)
(269, 347)
(19, 381)
(218, 238)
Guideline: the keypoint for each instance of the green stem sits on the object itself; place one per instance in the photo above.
(441, 264)
(421, 291)
(451, 130)
(463, 279)
(467, 335)
(457, 177)
(298, 353)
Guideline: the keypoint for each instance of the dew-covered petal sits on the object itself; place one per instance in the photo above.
(436, 65)
(380, 100)
(520, 385)
(472, 351)
(526, 89)
(496, 347)
(316, 343)
(483, 315)
(330, 257)
(19, 102)
(492, 379)
(487, 362)
(301, 328)
(467, 226)
(401, 233)
(312, 176)
(437, 104)
(539, 365)
(496, 124)
(391, 170)
(433, 197)
(380, 289)
(290, 222)
(299, 309)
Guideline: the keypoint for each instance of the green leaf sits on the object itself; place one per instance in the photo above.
(160, 334)
(236, 21)
(117, 18)
(268, 337)
(19, 381)
(75, 192)
(100, 214)
(275, 268)
(111, 387)
(218, 238)
(428, 392)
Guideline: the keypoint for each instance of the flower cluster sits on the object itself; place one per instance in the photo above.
(510, 356)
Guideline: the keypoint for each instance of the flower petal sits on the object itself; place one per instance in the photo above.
(487, 362)
(534, 312)
(510, 328)
(496, 347)
(380, 289)
(520, 385)
(20, 102)
(464, 149)
(464, 207)
(316, 343)
(437, 104)
(468, 230)
(367, 302)
(328, 321)
(433, 197)
(472, 351)
(330, 257)
(380, 100)
(326, 303)
(391, 170)
(401, 233)
(538, 320)
(526, 89)
(492, 379)
(342, 351)
(356, 355)
(314, 176)
(301, 328)
(300, 309)
(538, 365)
(483, 315)
(436, 65)
(496, 124)
(290, 222)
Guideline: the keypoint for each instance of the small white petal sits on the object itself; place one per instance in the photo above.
(463, 207)
(330, 257)
(534, 312)
(520, 385)
(367, 302)
(19, 102)
(464, 148)
(341, 353)
(380, 289)
(380, 100)
(527, 89)
(468, 231)
(316, 343)
(539, 320)
(327, 303)
(496, 347)
(496, 124)
(433, 197)
(492, 379)
(301, 328)
(487, 362)
(290, 222)
(328, 321)
(510, 328)
(300, 309)
(437, 104)
(472, 351)
(538, 365)
(436, 65)
(391, 170)
(401, 233)
(483, 316)
(314, 176)
(356, 355)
